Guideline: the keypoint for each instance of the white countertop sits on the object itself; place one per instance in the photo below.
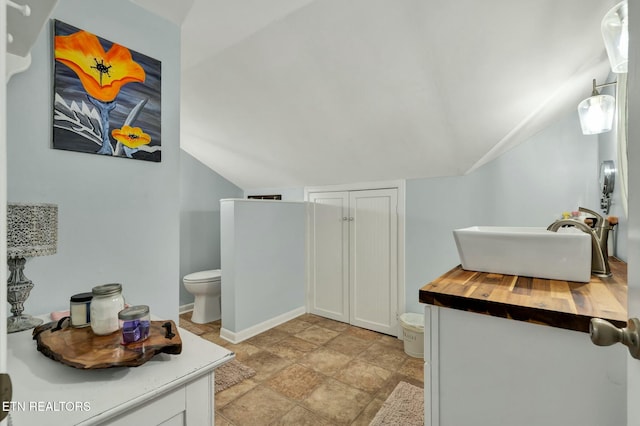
(106, 392)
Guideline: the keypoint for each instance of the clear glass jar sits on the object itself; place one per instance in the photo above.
(106, 303)
(79, 309)
(135, 323)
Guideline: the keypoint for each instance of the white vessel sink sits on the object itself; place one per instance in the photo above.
(531, 252)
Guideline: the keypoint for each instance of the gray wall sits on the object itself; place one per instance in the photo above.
(118, 218)
(263, 261)
(531, 185)
(200, 192)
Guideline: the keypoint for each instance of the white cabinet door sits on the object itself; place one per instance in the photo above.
(353, 257)
(373, 260)
(329, 255)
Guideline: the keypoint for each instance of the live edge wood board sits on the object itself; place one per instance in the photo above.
(562, 304)
(80, 348)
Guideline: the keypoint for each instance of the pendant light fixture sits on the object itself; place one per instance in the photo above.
(615, 32)
(597, 111)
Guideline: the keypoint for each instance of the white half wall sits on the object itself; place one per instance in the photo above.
(263, 262)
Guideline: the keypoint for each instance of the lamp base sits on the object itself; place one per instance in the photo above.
(21, 323)
(18, 289)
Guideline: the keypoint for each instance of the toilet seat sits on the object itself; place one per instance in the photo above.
(211, 275)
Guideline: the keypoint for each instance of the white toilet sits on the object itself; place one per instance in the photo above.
(206, 287)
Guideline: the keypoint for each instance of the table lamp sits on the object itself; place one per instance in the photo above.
(32, 230)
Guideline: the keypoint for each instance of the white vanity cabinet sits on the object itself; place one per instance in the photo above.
(486, 371)
(166, 390)
(509, 350)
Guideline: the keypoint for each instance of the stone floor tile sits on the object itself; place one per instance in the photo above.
(295, 382)
(393, 381)
(193, 328)
(295, 368)
(292, 348)
(325, 361)
(214, 337)
(299, 416)
(332, 325)
(310, 318)
(414, 368)
(259, 406)
(368, 413)
(242, 350)
(364, 376)
(294, 326)
(348, 344)
(266, 364)
(226, 396)
(384, 356)
(268, 338)
(317, 335)
(337, 402)
(363, 334)
(221, 421)
(392, 341)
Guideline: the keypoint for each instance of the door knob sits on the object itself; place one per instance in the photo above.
(603, 333)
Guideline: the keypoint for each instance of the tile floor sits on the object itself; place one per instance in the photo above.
(311, 371)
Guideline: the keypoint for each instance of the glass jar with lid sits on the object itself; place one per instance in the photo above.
(106, 303)
(135, 323)
(80, 309)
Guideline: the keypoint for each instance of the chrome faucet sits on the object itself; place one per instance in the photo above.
(599, 235)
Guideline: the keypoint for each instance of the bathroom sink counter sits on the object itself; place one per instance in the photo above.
(562, 304)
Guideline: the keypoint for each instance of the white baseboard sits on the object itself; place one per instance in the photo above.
(185, 308)
(254, 330)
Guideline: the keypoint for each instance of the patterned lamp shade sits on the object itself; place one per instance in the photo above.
(32, 229)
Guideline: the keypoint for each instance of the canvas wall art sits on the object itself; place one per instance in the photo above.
(107, 98)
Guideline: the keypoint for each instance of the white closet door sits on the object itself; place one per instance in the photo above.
(329, 257)
(373, 260)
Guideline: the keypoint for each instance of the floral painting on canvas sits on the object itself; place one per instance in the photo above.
(107, 97)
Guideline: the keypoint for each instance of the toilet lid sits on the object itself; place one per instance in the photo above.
(210, 275)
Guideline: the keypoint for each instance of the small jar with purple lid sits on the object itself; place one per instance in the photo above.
(134, 324)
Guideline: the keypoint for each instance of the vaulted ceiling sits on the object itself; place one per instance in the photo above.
(288, 93)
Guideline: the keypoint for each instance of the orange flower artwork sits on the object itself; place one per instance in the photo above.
(102, 73)
(100, 85)
(133, 137)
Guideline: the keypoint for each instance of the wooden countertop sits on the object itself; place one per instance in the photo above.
(563, 304)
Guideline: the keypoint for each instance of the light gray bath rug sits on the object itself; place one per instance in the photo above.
(405, 406)
(231, 374)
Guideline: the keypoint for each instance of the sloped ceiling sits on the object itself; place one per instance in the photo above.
(291, 93)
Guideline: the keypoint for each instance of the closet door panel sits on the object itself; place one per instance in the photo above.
(329, 257)
(373, 260)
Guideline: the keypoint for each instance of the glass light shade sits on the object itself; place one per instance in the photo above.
(615, 32)
(596, 114)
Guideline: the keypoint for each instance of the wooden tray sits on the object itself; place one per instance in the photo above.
(80, 348)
